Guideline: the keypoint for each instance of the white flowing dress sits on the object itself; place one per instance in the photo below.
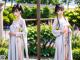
(61, 40)
(19, 42)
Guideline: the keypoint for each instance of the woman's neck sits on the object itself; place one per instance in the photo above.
(18, 17)
(60, 16)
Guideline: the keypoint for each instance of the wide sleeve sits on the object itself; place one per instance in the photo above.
(55, 30)
(24, 31)
(68, 24)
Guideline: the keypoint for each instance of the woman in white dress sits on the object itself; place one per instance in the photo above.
(18, 36)
(62, 31)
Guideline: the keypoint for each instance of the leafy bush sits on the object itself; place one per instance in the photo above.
(11, 17)
(46, 35)
(32, 35)
(4, 51)
(8, 16)
(4, 47)
(27, 12)
(30, 12)
(9, 9)
(74, 16)
(5, 12)
(76, 54)
(75, 44)
(4, 43)
(33, 12)
(46, 12)
(6, 20)
(75, 40)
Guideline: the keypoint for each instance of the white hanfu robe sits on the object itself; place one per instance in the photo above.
(18, 42)
(61, 40)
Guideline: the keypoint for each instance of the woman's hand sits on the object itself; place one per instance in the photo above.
(65, 30)
(12, 33)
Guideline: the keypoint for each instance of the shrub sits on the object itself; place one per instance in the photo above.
(5, 12)
(46, 35)
(11, 17)
(76, 54)
(9, 9)
(4, 47)
(8, 16)
(6, 20)
(74, 16)
(32, 35)
(4, 51)
(27, 12)
(75, 41)
(4, 43)
(46, 12)
(33, 12)
(75, 44)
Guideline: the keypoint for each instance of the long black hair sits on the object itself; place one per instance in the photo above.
(59, 7)
(17, 7)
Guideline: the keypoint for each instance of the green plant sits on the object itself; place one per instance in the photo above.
(5, 12)
(11, 17)
(27, 12)
(46, 12)
(9, 9)
(8, 16)
(76, 54)
(73, 16)
(6, 20)
(32, 35)
(75, 44)
(33, 12)
(4, 43)
(75, 41)
(4, 47)
(4, 51)
(45, 35)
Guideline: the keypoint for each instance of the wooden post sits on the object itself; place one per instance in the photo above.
(38, 29)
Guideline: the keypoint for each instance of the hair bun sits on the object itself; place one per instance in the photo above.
(58, 7)
(17, 7)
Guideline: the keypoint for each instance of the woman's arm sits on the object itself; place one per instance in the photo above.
(12, 33)
(55, 30)
(23, 29)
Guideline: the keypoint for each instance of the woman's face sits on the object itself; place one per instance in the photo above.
(16, 13)
(60, 12)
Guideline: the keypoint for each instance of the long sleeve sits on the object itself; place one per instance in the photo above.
(15, 27)
(23, 28)
(24, 31)
(68, 24)
(55, 31)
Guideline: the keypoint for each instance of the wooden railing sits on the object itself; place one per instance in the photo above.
(48, 20)
(42, 19)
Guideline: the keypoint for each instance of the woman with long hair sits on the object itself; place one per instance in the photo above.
(18, 36)
(61, 29)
